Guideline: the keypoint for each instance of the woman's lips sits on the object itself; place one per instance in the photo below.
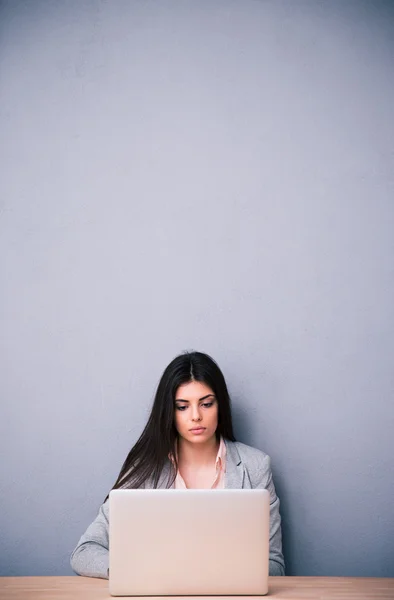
(197, 430)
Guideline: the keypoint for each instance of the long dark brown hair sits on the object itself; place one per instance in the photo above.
(148, 456)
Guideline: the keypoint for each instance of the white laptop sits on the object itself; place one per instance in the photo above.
(188, 542)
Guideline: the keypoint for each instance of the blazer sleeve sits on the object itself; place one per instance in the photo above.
(265, 481)
(91, 556)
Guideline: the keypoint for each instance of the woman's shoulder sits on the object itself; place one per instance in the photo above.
(256, 463)
(255, 460)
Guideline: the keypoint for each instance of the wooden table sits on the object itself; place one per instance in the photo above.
(288, 588)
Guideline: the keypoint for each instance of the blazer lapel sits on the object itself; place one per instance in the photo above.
(235, 474)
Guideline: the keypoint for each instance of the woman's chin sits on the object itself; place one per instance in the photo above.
(201, 438)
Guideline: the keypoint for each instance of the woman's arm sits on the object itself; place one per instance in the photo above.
(276, 559)
(91, 557)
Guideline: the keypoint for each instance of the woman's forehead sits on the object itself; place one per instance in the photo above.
(192, 391)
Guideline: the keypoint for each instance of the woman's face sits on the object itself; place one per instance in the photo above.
(196, 412)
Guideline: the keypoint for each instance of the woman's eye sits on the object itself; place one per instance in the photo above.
(181, 408)
(208, 404)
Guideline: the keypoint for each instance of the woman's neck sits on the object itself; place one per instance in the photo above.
(199, 455)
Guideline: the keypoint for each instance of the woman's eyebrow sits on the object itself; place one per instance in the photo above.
(203, 398)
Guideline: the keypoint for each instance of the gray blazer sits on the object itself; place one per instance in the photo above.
(246, 468)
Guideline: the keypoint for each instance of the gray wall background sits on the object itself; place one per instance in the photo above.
(215, 175)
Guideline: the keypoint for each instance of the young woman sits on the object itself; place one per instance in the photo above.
(188, 442)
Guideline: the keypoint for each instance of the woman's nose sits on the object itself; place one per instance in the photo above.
(196, 414)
